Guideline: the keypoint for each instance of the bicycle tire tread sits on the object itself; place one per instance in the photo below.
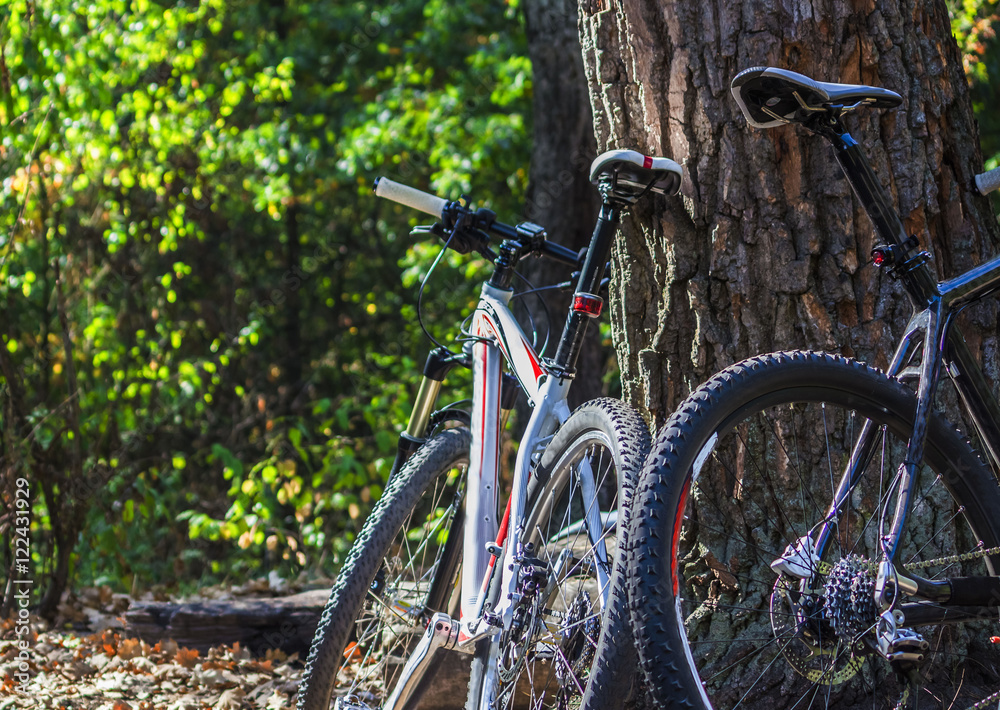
(612, 676)
(632, 441)
(400, 496)
(651, 600)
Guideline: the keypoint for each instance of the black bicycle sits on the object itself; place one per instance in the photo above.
(808, 529)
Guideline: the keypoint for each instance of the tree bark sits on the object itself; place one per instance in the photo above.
(767, 248)
(560, 196)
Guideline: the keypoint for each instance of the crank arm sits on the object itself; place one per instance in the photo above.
(441, 633)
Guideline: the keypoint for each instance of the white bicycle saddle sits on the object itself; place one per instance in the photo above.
(628, 174)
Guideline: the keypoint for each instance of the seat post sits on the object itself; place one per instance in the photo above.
(920, 283)
(587, 286)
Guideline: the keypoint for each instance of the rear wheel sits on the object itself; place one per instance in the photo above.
(747, 466)
(583, 484)
(398, 573)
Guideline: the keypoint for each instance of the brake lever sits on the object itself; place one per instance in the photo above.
(421, 230)
(459, 239)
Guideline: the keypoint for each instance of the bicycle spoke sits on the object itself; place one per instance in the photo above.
(768, 480)
(545, 659)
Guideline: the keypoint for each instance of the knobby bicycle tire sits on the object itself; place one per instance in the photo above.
(546, 660)
(746, 466)
(380, 597)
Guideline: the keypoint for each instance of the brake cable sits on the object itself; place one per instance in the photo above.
(531, 319)
(423, 284)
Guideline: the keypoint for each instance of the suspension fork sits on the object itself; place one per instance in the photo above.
(440, 361)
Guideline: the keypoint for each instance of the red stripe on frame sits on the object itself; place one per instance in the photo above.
(535, 365)
(501, 539)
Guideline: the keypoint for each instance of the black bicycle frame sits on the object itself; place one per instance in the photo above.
(589, 283)
(941, 344)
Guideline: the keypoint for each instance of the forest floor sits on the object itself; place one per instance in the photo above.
(101, 669)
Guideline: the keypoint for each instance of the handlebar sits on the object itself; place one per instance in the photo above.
(410, 196)
(988, 181)
(454, 214)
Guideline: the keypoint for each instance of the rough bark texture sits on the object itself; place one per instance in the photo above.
(767, 248)
(560, 196)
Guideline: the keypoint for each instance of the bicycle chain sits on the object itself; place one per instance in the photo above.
(986, 701)
(964, 557)
(981, 705)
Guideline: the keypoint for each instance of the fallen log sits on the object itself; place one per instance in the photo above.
(285, 623)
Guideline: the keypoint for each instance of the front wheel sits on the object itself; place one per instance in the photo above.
(397, 574)
(582, 487)
(747, 466)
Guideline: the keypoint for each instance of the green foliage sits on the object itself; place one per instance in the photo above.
(210, 317)
(975, 24)
(208, 331)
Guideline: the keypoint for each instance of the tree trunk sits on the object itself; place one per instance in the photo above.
(560, 196)
(768, 249)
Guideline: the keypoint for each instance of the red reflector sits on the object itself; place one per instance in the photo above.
(995, 639)
(878, 258)
(647, 162)
(588, 304)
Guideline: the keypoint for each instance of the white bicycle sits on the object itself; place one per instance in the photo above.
(440, 565)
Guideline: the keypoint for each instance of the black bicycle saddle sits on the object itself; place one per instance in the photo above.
(629, 174)
(771, 97)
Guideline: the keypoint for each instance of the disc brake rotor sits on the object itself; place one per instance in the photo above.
(813, 648)
(579, 632)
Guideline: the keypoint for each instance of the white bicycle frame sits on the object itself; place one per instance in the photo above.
(500, 337)
(489, 538)
(623, 177)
